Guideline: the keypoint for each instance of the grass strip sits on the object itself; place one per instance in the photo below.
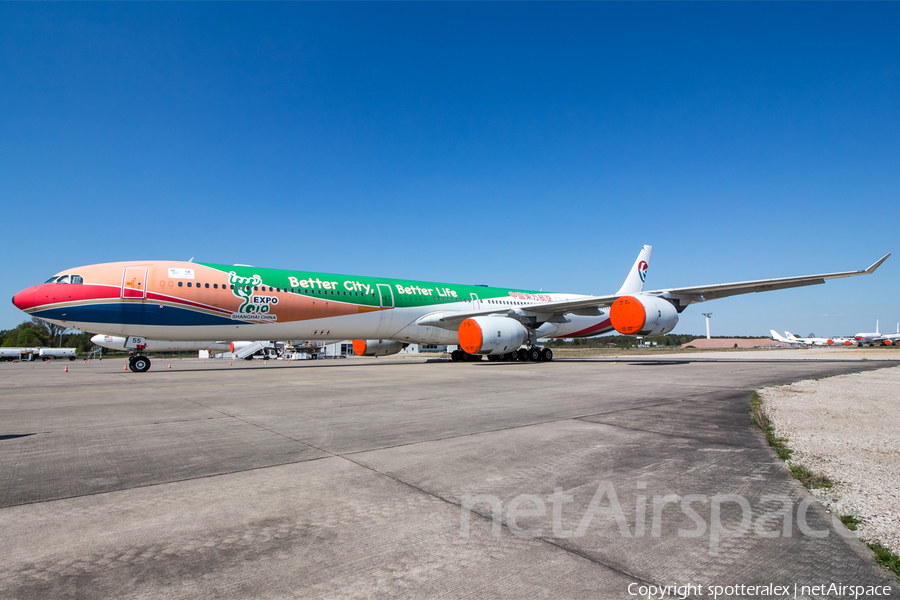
(883, 556)
(762, 420)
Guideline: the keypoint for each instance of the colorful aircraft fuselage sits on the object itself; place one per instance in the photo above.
(167, 300)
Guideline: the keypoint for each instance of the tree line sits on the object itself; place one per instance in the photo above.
(41, 333)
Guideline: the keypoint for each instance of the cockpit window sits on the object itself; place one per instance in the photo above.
(77, 279)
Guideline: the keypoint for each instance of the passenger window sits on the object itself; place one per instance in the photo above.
(179, 283)
(215, 286)
(207, 286)
(189, 284)
(232, 287)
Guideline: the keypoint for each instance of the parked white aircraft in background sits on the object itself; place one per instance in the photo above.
(811, 341)
(868, 338)
(818, 341)
(780, 338)
(891, 339)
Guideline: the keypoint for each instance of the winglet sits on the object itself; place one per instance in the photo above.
(634, 283)
(877, 264)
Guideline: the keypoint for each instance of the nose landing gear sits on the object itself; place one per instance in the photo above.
(139, 364)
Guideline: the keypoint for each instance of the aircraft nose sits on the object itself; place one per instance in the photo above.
(24, 299)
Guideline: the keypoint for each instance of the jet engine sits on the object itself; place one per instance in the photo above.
(491, 335)
(377, 347)
(646, 316)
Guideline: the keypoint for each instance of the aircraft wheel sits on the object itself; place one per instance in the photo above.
(140, 364)
(522, 354)
(492, 357)
(546, 354)
(534, 354)
(512, 356)
(455, 355)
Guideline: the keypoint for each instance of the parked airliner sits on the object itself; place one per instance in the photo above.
(868, 338)
(891, 339)
(814, 341)
(185, 301)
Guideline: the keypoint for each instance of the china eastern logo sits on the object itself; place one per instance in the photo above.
(642, 270)
(254, 307)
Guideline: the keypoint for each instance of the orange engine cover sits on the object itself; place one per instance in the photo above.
(470, 338)
(643, 315)
(627, 315)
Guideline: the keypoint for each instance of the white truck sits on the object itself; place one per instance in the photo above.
(48, 353)
(10, 354)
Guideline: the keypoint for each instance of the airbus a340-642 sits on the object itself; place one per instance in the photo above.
(185, 301)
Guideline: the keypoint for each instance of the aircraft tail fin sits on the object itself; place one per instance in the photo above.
(791, 336)
(777, 337)
(634, 283)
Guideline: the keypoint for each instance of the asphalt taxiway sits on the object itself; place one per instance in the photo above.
(401, 477)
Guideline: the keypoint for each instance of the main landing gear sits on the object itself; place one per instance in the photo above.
(533, 354)
(139, 364)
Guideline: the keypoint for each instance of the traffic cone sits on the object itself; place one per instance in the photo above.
(125, 367)
(170, 365)
(229, 363)
(66, 370)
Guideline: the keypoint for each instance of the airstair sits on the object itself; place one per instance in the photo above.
(250, 350)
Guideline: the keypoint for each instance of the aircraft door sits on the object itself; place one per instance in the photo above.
(386, 317)
(476, 303)
(385, 295)
(134, 282)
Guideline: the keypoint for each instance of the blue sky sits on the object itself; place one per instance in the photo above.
(518, 144)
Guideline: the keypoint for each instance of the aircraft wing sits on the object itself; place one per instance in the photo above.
(591, 305)
(722, 290)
